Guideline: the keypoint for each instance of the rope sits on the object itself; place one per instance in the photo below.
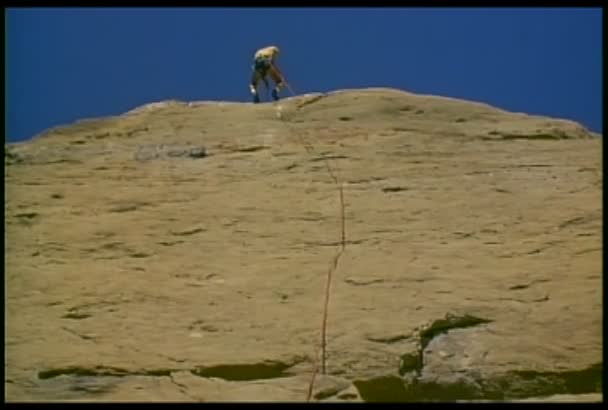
(334, 264)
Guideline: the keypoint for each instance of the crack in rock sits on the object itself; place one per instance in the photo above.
(75, 333)
(389, 339)
(326, 157)
(76, 315)
(334, 243)
(588, 251)
(167, 243)
(128, 207)
(540, 136)
(252, 148)
(448, 323)
(187, 232)
(410, 362)
(362, 281)
(578, 221)
(182, 388)
(100, 371)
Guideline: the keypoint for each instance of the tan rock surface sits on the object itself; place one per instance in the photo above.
(180, 252)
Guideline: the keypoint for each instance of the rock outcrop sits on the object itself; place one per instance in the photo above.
(181, 251)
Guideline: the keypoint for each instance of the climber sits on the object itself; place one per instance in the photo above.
(264, 64)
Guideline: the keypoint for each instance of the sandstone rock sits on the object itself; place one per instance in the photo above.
(327, 386)
(464, 244)
(199, 152)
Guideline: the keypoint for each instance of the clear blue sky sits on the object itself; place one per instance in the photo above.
(65, 64)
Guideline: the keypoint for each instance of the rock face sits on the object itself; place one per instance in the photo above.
(181, 252)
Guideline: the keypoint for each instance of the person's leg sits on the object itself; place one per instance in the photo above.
(266, 84)
(278, 80)
(253, 85)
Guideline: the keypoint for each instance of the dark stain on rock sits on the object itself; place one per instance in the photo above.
(199, 152)
(382, 389)
(100, 136)
(27, 215)
(394, 189)
(587, 380)
(508, 386)
(240, 372)
(124, 208)
(112, 245)
(410, 362)
(519, 287)
(139, 255)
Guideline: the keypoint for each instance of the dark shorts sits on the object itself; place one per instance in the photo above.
(261, 65)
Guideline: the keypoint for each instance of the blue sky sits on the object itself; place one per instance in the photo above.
(65, 64)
